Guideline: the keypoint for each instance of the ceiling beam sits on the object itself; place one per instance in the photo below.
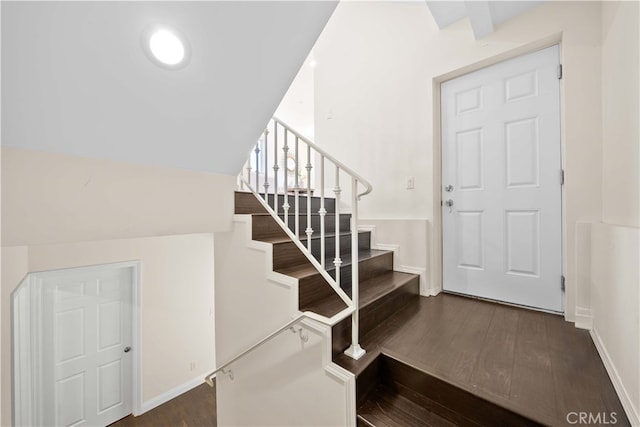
(479, 14)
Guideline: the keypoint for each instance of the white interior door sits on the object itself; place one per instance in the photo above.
(501, 176)
(87, 355)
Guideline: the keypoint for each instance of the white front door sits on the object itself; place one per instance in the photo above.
(87, 359)
(501, 176)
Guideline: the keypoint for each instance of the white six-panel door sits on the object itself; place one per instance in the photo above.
(87, 365)
(501, 176)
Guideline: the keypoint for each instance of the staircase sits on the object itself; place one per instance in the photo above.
(382, 290)
(389, 391)
(345, 283)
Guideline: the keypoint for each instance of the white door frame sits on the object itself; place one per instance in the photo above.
(436, 254)
(26, 311)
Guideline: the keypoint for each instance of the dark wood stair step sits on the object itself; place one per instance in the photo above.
(329, 203)
(371, 263)
(287, 254)
(380, 297)
(265, 227)
(403, 392)
(246, 203)
(386, 407)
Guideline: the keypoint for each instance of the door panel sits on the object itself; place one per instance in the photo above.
(501, 171)
(87, 317)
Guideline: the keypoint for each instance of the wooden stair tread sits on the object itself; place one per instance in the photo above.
(374, 341)
(377, 287)
(313, 214)
(370, 290)
(327, 307)
(303, 238)
(384, 406)
(305, 270)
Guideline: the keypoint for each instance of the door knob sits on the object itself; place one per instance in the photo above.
(448, 188)
(449, 203)
(127, 349)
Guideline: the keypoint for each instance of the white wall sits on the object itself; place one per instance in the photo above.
(377, 63)
(297, 106)
(408, 239)
(251, 301)
(615, 275)
(54, 198)
(614, 303)
(620, 113)
(285, 381)
(177, 303)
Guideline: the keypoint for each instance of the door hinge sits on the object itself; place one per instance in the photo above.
(561, 176)
(559, 71)
(562, 283)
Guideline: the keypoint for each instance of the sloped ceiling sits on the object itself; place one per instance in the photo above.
(483, 16)
(75, 79)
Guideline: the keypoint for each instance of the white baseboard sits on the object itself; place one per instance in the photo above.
(583, 318)
(625, 399)
(170, 394)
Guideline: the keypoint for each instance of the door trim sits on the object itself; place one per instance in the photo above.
(26, 376)
(436, 272)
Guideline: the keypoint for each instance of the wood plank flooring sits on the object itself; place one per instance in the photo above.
(530, 362)
(195, 408)
(533, 363)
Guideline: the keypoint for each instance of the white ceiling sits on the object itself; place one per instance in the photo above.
(483, 16)
(75, 79)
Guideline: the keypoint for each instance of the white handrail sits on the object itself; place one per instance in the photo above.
(354, 350)
(329, 157)
(209, 378)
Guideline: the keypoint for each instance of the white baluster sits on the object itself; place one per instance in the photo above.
(309, 230)
(249, 171)
(275, 167)
(266, 165)
(337, 261)
(322, 212)
(257, 151)
(355, 351)
(285, 205)
(296, 191)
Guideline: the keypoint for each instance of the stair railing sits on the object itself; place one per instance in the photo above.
(225, 367)
(257, 176)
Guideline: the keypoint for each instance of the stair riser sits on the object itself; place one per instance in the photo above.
(374, 314)
(459, 406)
(311, 290)
(264, 226)
(246, 203)
(329, 204)
(329, 224)
(287, 254)
(367, 269)
(314, 288)
(364, 243)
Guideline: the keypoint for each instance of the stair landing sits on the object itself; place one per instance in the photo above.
(531, 363)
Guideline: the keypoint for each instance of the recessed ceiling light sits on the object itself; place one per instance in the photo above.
(166, 47)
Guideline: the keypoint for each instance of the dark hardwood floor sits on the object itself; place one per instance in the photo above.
(529, 362)
(195, 408)
(532, 363)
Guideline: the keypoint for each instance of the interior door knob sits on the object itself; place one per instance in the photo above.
(448, 203)
(127, 349)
